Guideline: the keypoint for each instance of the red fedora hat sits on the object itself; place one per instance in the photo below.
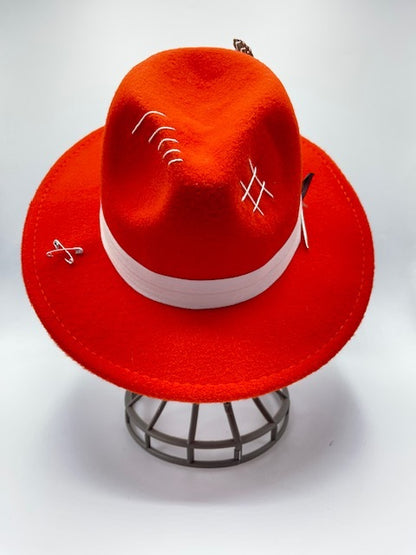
(196, 282)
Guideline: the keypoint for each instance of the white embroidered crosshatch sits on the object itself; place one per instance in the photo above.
(249, 188)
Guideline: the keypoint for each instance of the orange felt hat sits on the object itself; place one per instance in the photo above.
(196, 282)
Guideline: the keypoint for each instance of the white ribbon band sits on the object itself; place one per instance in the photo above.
(199, 293)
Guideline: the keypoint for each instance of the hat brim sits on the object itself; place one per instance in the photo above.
(214, 355)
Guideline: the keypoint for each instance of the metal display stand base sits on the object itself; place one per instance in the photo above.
(145, 416)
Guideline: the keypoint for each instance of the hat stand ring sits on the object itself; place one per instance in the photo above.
(235, 421)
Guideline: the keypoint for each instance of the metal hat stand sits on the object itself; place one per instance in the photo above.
(189, 449)
(244, 429)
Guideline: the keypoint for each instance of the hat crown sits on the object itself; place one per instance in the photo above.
(201, 164)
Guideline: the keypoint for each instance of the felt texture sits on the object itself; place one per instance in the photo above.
(214, 355)
(187, 219)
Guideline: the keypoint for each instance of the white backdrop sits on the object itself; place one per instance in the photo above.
(343, 478)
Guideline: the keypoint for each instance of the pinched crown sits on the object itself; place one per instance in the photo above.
(201, 164)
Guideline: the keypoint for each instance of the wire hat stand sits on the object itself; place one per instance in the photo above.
(177, 432)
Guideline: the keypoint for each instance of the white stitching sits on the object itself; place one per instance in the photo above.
(247, 189)
(136, 127)
(160, 129)
(167, 139)
(171, 150)
(262, 184)
(247, 193)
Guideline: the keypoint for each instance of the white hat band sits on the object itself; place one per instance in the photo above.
(199, 293)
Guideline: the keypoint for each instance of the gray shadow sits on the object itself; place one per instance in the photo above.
(88, 439)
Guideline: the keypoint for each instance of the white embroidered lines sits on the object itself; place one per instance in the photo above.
(247, 189)
(173, 160)
(162, 141)
(160, 129)
(136, 127)
(169, 151)
(166, 139)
